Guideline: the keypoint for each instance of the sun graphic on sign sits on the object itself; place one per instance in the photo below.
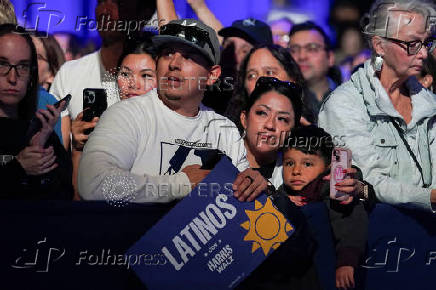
(267, 227)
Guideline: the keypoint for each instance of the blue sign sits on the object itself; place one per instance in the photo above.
(209, 238)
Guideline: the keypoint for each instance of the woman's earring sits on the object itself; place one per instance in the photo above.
(378, 63)
(244, 133)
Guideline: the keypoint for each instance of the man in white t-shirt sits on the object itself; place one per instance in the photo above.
(150, 148)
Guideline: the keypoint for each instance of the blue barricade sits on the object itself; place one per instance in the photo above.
(81, 245)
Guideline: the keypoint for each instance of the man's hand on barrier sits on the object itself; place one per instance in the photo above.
(248, 185)
(195, 174)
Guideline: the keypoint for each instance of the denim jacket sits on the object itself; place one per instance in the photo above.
(358, 114)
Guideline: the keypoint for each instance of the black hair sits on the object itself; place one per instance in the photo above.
(240, 95)
(291, 91)
(141, 44)
(311, 140)
(429, 68)
(310, 25)
(27, 106)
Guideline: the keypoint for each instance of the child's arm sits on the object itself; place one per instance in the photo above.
(350, 230)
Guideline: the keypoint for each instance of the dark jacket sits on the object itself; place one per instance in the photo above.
(16, 184)
(349, 224)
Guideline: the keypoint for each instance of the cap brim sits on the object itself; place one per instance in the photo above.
(236, 32)
(160, 40)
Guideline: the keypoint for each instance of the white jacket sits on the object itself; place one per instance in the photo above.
(358, 113)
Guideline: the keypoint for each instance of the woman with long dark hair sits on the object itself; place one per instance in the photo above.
(33, 164)
(268, 61)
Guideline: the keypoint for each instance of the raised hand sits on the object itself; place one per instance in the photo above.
(78, 130)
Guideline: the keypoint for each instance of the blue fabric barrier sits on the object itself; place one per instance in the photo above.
(401, 250)
(80, 245)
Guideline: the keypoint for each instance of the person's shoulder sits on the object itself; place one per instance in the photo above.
(345, 91)
(214, 117)
(45, 98)
(79, 64)
(134, 107)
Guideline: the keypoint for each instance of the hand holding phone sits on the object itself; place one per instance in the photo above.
(341, 160)
(36, 124)
(94, 103)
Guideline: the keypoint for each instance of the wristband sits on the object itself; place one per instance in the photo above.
(364, 194)
(5, 159)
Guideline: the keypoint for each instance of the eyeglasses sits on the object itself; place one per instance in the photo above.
(414, 46)
(271, 82)
(22, 70)
(309, 48)
(192, 34)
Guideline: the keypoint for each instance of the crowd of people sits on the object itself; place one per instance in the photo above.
(197, 91)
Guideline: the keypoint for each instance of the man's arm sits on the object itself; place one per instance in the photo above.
(107, 159)
(165, 11)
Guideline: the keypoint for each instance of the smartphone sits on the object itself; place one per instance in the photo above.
(341, 159)
(36, 125)
(94, 103)
(67, 100)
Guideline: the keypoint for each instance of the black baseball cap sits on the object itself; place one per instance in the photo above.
(193, 33)
(252, 30)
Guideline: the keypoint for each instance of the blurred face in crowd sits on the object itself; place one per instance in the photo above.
(309, 51)
(299, 169)
(183, 73)
(267, 121)
(107, 13)
(280, 31)
(45, 77)
(242, 48)
(263, 63)
(137, 75)
(397, 62)
(64, 40)
(14, 50)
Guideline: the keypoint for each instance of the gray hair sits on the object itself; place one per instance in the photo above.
(7, 12)
(376, 22)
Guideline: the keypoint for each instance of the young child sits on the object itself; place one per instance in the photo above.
(306, 168)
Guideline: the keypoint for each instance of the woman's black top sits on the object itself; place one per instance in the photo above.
(15, 183)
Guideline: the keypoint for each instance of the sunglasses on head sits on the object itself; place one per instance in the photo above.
(192, 34)
(271, 82)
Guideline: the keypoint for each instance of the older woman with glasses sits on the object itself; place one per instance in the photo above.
(33, 163)
(383, 114)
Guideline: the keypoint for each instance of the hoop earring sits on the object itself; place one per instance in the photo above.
(378, 63)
